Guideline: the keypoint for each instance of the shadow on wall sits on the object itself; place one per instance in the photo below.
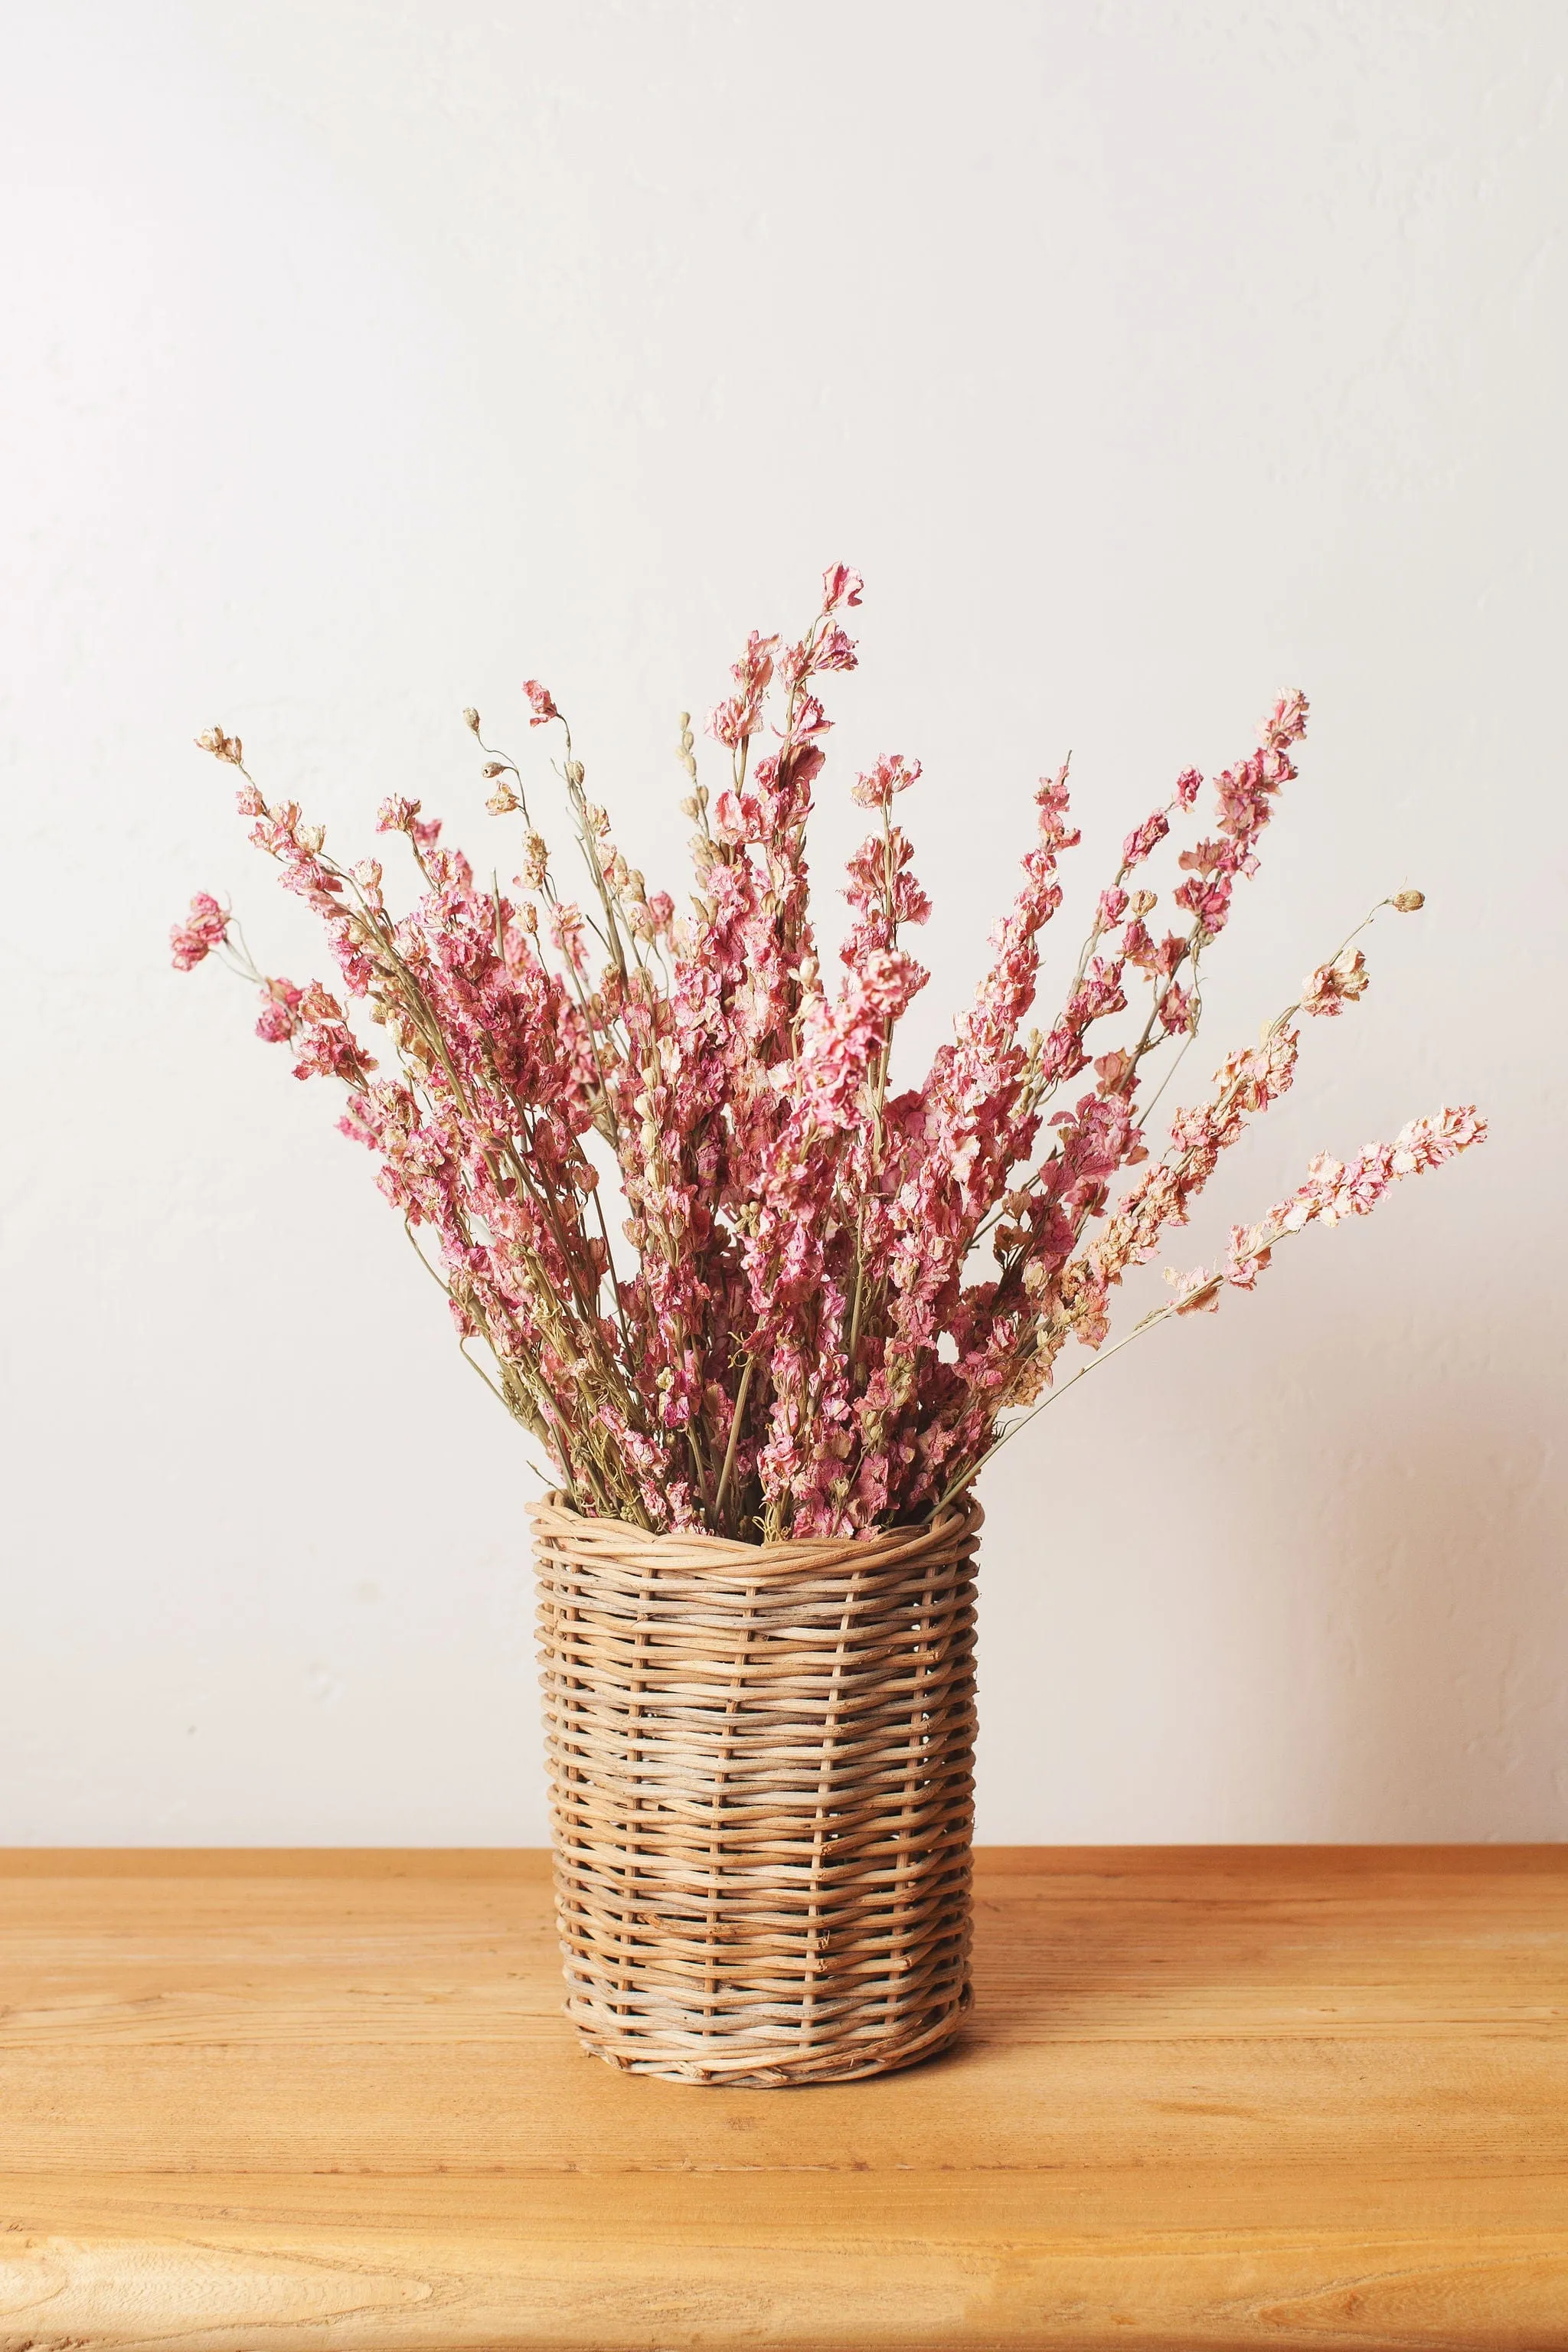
(1245, 1614)
(1452, 1704)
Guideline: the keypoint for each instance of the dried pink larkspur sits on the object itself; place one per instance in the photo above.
(831, 1294)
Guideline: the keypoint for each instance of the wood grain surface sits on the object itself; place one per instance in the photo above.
(1296, 2097)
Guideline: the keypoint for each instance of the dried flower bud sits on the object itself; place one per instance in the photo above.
(502, 801)
(493, 768)
(311, 837)
(576, 771)
(471, 722)
(688, 805)
(1141, 903)
(221, 746)
(1408, 901)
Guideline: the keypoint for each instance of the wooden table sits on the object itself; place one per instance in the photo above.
(1290, 2096)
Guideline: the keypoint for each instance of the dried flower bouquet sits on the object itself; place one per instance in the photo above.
(828, 1301)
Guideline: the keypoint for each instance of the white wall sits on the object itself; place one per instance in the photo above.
(362, 359)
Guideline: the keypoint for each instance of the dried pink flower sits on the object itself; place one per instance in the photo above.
(891, 774)
(1333, 1192)
(204, 928)
(1145, 838)
(836, 1285)
(840, 587)
(1335, 986)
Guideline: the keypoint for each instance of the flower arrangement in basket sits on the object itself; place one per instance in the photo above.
(767, 1314)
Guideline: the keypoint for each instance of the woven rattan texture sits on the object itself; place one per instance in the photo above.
(761, 1762)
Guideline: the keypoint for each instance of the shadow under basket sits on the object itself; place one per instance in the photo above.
(762, 1794)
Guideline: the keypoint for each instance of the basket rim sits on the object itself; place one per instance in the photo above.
(953, 1527)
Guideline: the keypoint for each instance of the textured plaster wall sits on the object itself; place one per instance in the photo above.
(363, 359)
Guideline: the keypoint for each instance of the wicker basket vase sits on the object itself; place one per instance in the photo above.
(761, 1763)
